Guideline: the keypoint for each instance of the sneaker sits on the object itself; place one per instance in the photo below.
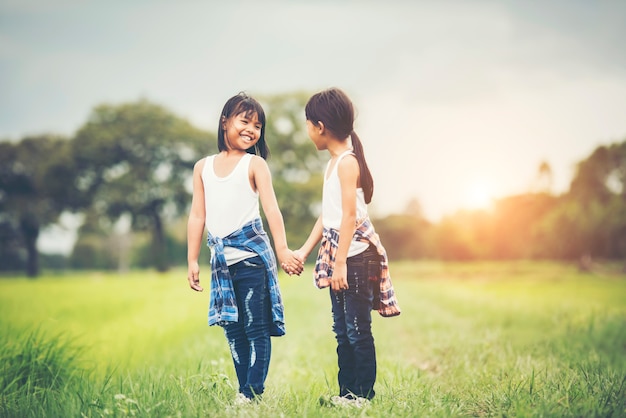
(242, 399)
(360, 402)
(349, 401)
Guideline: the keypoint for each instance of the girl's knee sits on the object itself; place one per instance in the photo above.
(359, 333)
(258, 332)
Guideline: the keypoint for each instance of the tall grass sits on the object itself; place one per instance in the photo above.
(475, 339)
(35, 372)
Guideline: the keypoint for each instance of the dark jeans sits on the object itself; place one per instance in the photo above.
(249, 338)
(352, 326)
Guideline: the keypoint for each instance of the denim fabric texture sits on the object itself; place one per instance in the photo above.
(222, 304)
(352, 324)
(249, 338)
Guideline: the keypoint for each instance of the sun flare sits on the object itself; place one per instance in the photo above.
(478, 195)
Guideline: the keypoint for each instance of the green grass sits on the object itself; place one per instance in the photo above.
(474, 339)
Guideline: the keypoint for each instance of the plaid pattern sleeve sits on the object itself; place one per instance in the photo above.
(385, 301)
(326, 258)
(223, 307)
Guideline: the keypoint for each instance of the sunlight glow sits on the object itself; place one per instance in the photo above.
(478, 195)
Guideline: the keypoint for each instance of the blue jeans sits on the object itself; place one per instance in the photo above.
(249, 337)
(353, 326)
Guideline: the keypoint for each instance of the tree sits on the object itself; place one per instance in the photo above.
(543, 180)
(137, 160)
(590, 219)
(465, 235)
(514, 223)
(407, 235)
(34, 174)
(602, 175)
(599, 187)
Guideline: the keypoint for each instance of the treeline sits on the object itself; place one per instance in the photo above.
(126, 174)
(586, 222)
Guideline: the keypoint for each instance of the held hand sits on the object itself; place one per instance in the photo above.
(193, 276)
(301, 255)
(291, 263)
(301, 258)
(339, 280)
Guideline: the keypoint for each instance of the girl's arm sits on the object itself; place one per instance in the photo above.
(262, 179)
(348, 172)
(314, 238)
(195, 228)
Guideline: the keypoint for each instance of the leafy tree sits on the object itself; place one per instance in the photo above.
(34, 174)
(589, 220)
(544, 179)
(465, 235)
(11, 183)
(569, 231)
(137, 159)
(406, 235)
(92, 249)
(514, 221)
(11, 253)
(602, 175)
(599, 188)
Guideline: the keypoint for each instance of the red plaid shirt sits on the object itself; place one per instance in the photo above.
(385, 298)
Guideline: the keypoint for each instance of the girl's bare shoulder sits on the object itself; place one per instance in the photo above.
(199, 165)
(348, 163)
(258, 163)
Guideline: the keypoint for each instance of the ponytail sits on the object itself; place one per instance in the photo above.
(334, 108)
(367, 181)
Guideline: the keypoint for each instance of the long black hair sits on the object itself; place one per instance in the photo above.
(242, 103)
(334, 109)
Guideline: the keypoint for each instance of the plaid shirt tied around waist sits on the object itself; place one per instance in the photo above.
(223, 303)
(384, 296)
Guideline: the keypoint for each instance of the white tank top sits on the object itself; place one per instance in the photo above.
(331, 204)
(230, 203)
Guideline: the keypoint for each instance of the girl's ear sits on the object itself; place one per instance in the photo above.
(223, 120)
(321, 127)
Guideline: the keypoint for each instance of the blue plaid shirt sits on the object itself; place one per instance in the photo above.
(223, 304)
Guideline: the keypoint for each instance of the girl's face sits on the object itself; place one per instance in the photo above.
(314, 133)
(242, 131)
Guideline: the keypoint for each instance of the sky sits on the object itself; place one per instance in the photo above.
(459, 102)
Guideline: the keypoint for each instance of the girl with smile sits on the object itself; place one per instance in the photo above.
(245, 297)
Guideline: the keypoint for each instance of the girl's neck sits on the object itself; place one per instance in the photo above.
(233, 153)
(336, 147)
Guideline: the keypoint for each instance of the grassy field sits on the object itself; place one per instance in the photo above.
(475, 339)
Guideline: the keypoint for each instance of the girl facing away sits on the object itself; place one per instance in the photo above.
(245, 297)
(351, 260)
